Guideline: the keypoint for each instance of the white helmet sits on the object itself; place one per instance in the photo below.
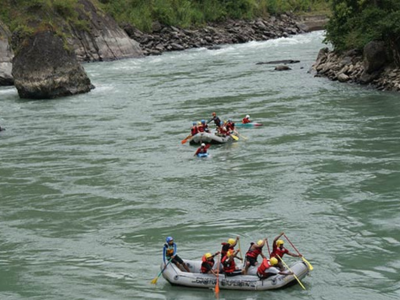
(203, 145)
(247, 117)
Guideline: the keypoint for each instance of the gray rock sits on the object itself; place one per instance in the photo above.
(6, 56)
(43, 68)
(374, 56)
(282, 68)
(105, 40)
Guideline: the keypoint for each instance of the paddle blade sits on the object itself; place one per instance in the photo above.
(185, 139)
(234, 137)
(217, 288)
(308, 264)
(154, 281)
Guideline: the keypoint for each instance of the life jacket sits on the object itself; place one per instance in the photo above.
(264, 266)
(225, 249)
(278, 251)
(217, 121)
(255, 252)
(230, 126)
(245, 121)
(200, 128)
(208, 262)
(169, 250)
(230, 266)
(194, 130)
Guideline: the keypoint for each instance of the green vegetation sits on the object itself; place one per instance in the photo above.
(189, 13)
(354, 23)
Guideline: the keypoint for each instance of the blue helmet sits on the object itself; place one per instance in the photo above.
(203, 121)
(168, 239)
(194, 123)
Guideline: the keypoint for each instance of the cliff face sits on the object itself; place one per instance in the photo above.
(105, 40)
(43, 68)
(6, 56)
(371, 67)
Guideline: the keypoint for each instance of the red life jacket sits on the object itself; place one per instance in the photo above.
(208, 262)
(279, 251)
(200, 128)
(230, 126)
(245, 121)
(230, 266)
(255, 252)
(194, 130)
(264, 266)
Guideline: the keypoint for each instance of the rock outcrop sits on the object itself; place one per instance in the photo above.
(369, 67)
(6, 56)
(44, 68)
(169, 38)
(104, 39)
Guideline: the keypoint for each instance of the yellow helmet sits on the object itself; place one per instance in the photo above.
(231, 242)
(279, 242)
(230, 253)
(199, 123)
(208, 255)
(273, 261)
(259, 243)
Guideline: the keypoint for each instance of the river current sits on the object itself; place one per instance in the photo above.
(91, 185)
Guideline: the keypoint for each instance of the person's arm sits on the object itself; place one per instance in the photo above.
(293, 254)
(173, 255)
(164, 252)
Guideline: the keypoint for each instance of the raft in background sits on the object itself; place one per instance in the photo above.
(241, 282)
(251, 124)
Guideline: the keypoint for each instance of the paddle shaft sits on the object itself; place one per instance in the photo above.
(298, 280)
(292, 244)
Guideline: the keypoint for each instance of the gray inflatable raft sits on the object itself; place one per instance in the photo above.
(242, 282)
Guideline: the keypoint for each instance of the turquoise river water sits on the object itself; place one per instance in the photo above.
(92, 184)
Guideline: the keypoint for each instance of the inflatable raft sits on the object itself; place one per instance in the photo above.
(209, 138)
(242, 282)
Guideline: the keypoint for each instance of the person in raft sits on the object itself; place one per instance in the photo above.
(267, 268)
(202, 149)
(169, 253)
(216, 119)
(230, 245)
(208, 263)
(229, 265)
(246, 119)
(252, 254)
(278, 251)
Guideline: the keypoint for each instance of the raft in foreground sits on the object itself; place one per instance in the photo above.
(251, 124)
(242, 282)
(209, 138)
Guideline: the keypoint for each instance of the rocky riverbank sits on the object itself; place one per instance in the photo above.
(372, 67)
(169, 38)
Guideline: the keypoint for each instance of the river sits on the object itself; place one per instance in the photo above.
(91, 185)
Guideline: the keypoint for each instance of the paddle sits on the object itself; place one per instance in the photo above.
(240, 251)
(241, 135)
(298, 280)
(154, 281)
(234, 137)
(216, 290)
(186, 139)
(302, 257)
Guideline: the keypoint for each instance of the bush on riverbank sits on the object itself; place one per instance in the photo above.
(188, 13)
(356, 23)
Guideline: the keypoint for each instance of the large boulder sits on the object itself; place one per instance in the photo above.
(44, 68)
(6, 56)
(374, 56)
(103, 39)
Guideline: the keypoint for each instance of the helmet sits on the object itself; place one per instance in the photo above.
(203, 145)
(208, 255)
(273, 261)
(247, 117)
(230, 253)
(231, 241)
(203, 121)
(194, 123)
(279, 242)
(214, 114)
(259, 243)
(168, 239)
(199, 123)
